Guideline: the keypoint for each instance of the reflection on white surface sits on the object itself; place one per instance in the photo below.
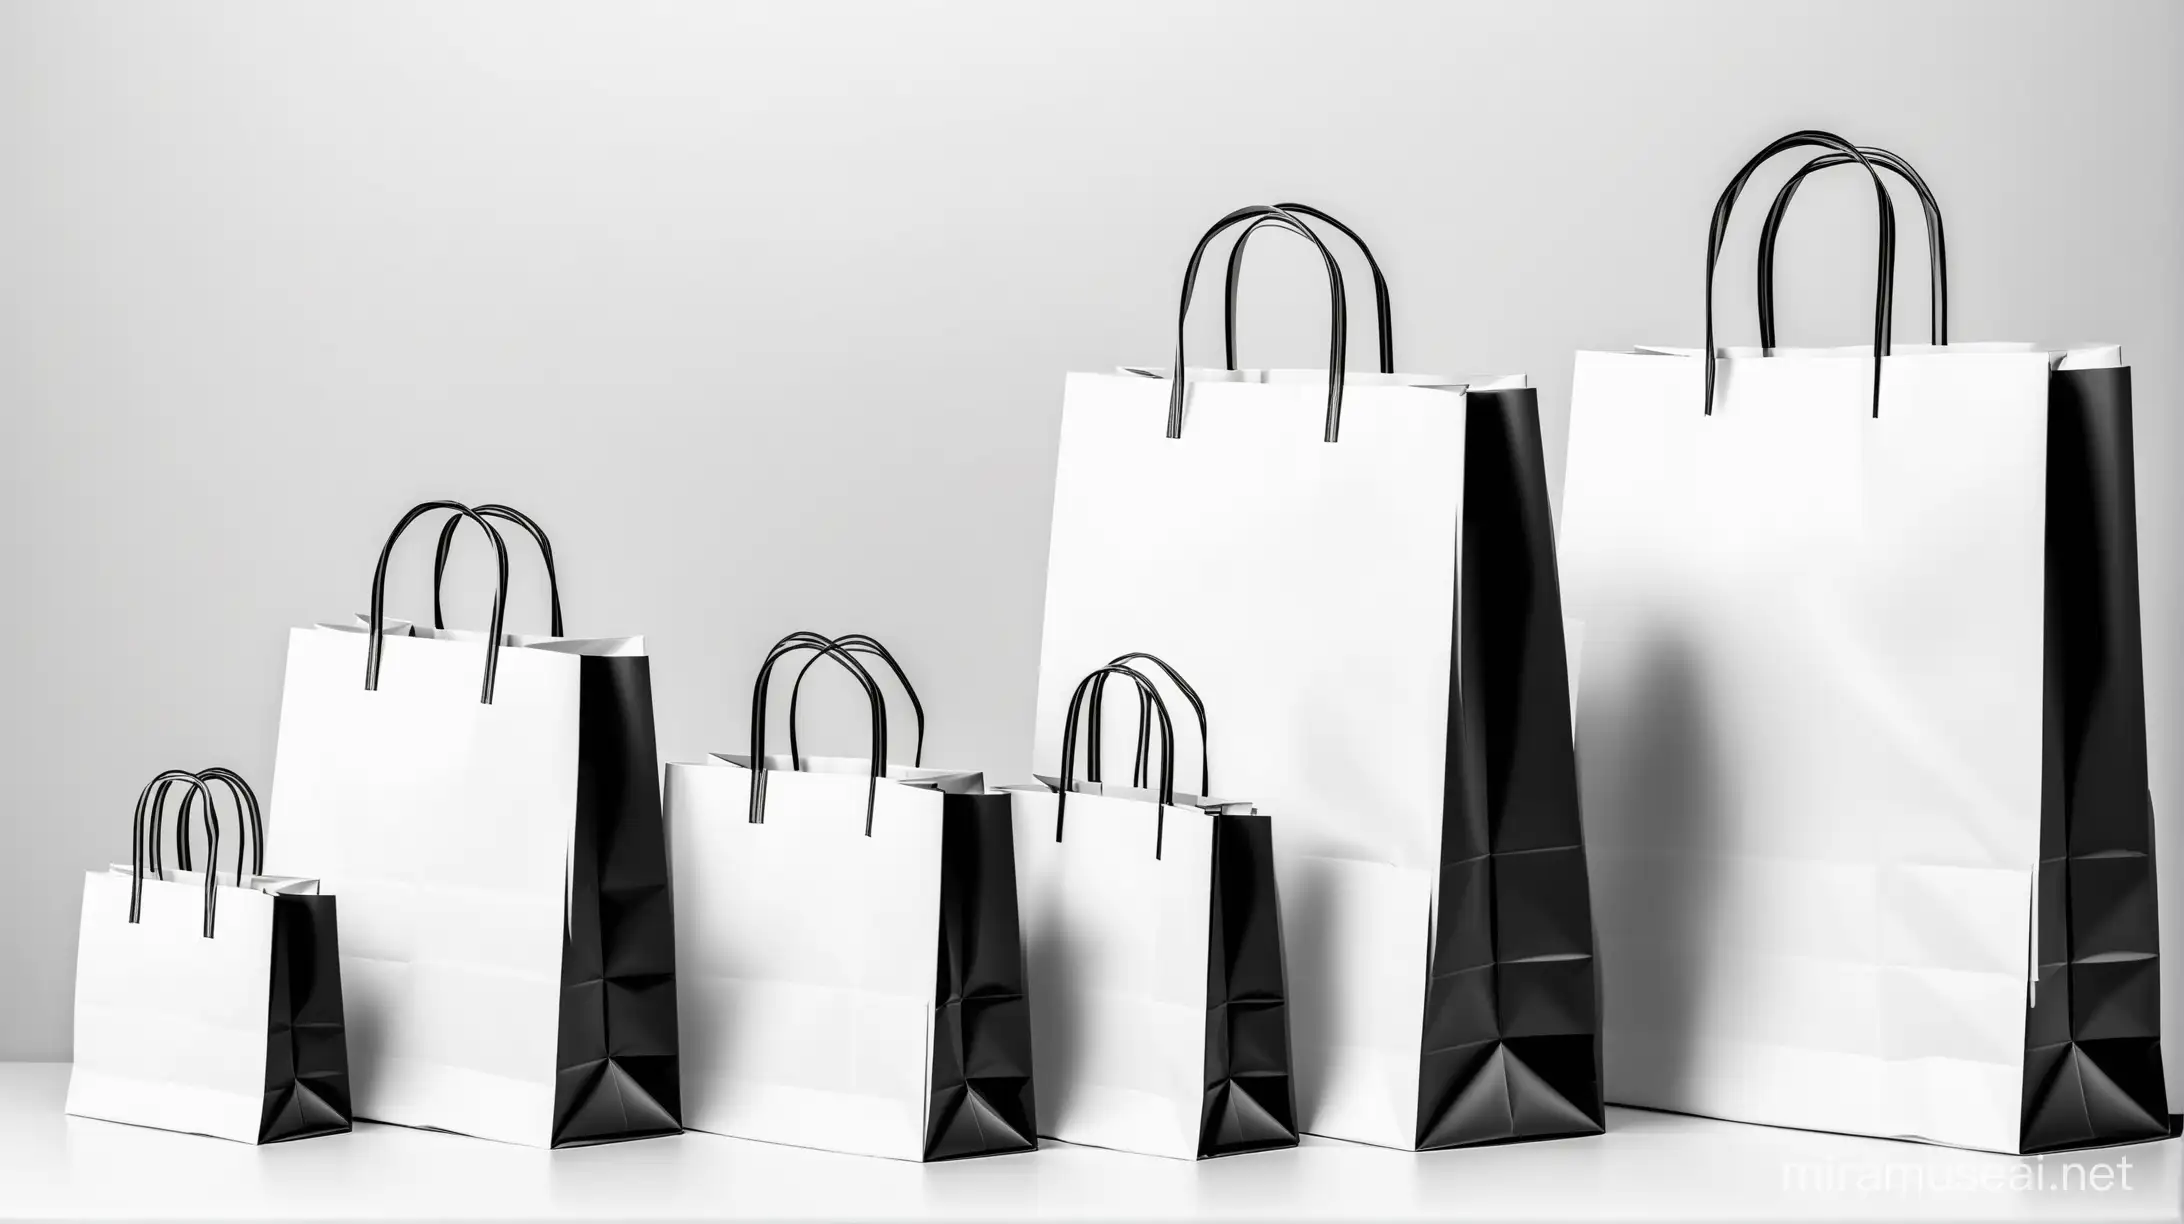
(1648, 1166)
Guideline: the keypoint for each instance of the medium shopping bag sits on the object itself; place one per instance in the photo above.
(1862, 735)
(510, 950)
(205, 1002)
(1153, 941)
(852, 968)
(1387, 537)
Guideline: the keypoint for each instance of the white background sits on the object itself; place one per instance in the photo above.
(764, 309)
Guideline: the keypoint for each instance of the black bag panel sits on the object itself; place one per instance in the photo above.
(2093, 1073)
(981, 1092)
(1515, 666)
(1511, 1046)
(307, 1050)
(1250, 1102)
(616, 1075)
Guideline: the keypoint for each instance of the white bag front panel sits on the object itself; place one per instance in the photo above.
(1116, 943)
(806, 956)
(171, 1027)
(1361, 934)
(444, 826)
(1309, 590)
(1810, 733)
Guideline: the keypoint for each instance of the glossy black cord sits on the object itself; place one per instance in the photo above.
(520, 519)
(1383, 314)
(1937, 248)
(250, 836)
(788, 645)
(858, 643)
(155, 791)
(1339, 342)
(1718, 230)
(1139, 769)
(1069, 750)
(378, 620)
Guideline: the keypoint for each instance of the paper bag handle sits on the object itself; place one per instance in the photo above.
(155, 791)
(251, 835)
(857, 643)
(1884, 278)
(1340, 319)
(1236, 272)
(378, 621)
(520, 519)
(805, 640)
(152, 861)
(1167, 749)
(1139, 770)
(1937, 251)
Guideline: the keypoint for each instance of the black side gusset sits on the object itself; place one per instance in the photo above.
(1250, 1102)
(981, 1091)
(2093, 1072)
(307, 1050)
(616, 1072)
(1511, 1046)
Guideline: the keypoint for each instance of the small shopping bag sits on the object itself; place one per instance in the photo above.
(208, 1002)
(851, 968)
(1153, 938)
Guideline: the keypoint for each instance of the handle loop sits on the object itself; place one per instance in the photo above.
(155, 791)
(804, 640)
(379, 596)
(250, 833)
(1338, 345)
(1937, 251)
(1140, 769)
(857, 643)
(520, 519)
(1383, 315)
(1167, 749)
(1884, 279)
(153, 862)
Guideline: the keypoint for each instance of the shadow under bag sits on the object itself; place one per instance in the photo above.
(1864, 726)
(1363, 567)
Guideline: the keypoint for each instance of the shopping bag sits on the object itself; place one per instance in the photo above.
(852, 970)
(510, 950)
(208, 1003)
(1387, 537)
(1862, 735)
(1153, 943)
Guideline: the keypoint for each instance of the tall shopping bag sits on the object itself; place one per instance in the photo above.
(1387, 538)
(1863, 731)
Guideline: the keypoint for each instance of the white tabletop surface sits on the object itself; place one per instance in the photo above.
(1647, 1167)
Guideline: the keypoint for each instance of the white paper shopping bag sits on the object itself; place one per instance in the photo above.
(851, 970)
(1862, 734)
(205, 1002)
(1153, 941)
(497, 989)
(1387, 539)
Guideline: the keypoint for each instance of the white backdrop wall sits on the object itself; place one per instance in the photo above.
(764, 309)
